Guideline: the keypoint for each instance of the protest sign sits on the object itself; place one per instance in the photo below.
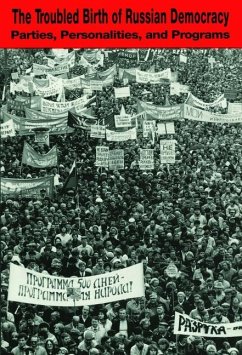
(192, 327)
(165, 128)
(177, 89)
(128, 54)
(160, 112)
(116, 159)
(26, 187)
(183, 58)
(122, 121)
(122, 92)
(98, 131)
(194, 101)
(121, 136)
(32, 158)
(171, 270)
(235, 107)
(196, 114)
(146, 159)
(102, 154)
(7, 129)
(18, 105)
(111, 71)
(14, 76)
(147, 127)
(29, 286)
(73, 83)
(167, 151)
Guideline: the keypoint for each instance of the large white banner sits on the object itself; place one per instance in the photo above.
(194, 101)
(122, 121)
(188, 326)
(49, 106)
(167, 151)
(39, 69)
(196, 114)
(121, 136)
(7, 129)
(28, 286)
(153, 78)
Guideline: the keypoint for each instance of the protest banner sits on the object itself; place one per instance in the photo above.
(152, 78)
(26, 124)
(42, 136)
(196, 114)
(39, 69)
(129, 74)
(24, 84)
(147, 127)
(122, 92)
(27, 187)
(102, 154)
(186, 325)
(111, 71)
(194, 101)
(235, 107)
(128, 54)
(48, 106)
(98, 131)
(54, 87)
(73, 83)
(83, 121)
(146, 161)
(29, 286)
(121, 136)
(167, 151)
(96, 85)
(7, 129)
(160, 112)
(116, 159)
(32, 158)
(18, 105)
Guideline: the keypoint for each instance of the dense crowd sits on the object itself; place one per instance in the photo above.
(188, 213)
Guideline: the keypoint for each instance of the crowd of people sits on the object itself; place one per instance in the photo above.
(188, 214)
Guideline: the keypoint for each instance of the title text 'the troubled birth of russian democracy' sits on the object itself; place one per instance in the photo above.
(127, 15)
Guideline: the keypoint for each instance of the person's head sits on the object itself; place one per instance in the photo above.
(34, 341)
(22, 340)
(211, 349)
(95, 322)
(139, 341)
(152, 350)
(49, 344)
(85, 310)
(88, 337)
(122, 314)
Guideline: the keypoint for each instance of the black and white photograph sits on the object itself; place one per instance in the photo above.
(121, 201)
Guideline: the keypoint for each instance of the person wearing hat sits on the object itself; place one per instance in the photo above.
(211, 349)
(219, 291)
(161, 332)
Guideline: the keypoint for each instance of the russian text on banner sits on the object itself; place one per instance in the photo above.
(188, 326)
(28, 286)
